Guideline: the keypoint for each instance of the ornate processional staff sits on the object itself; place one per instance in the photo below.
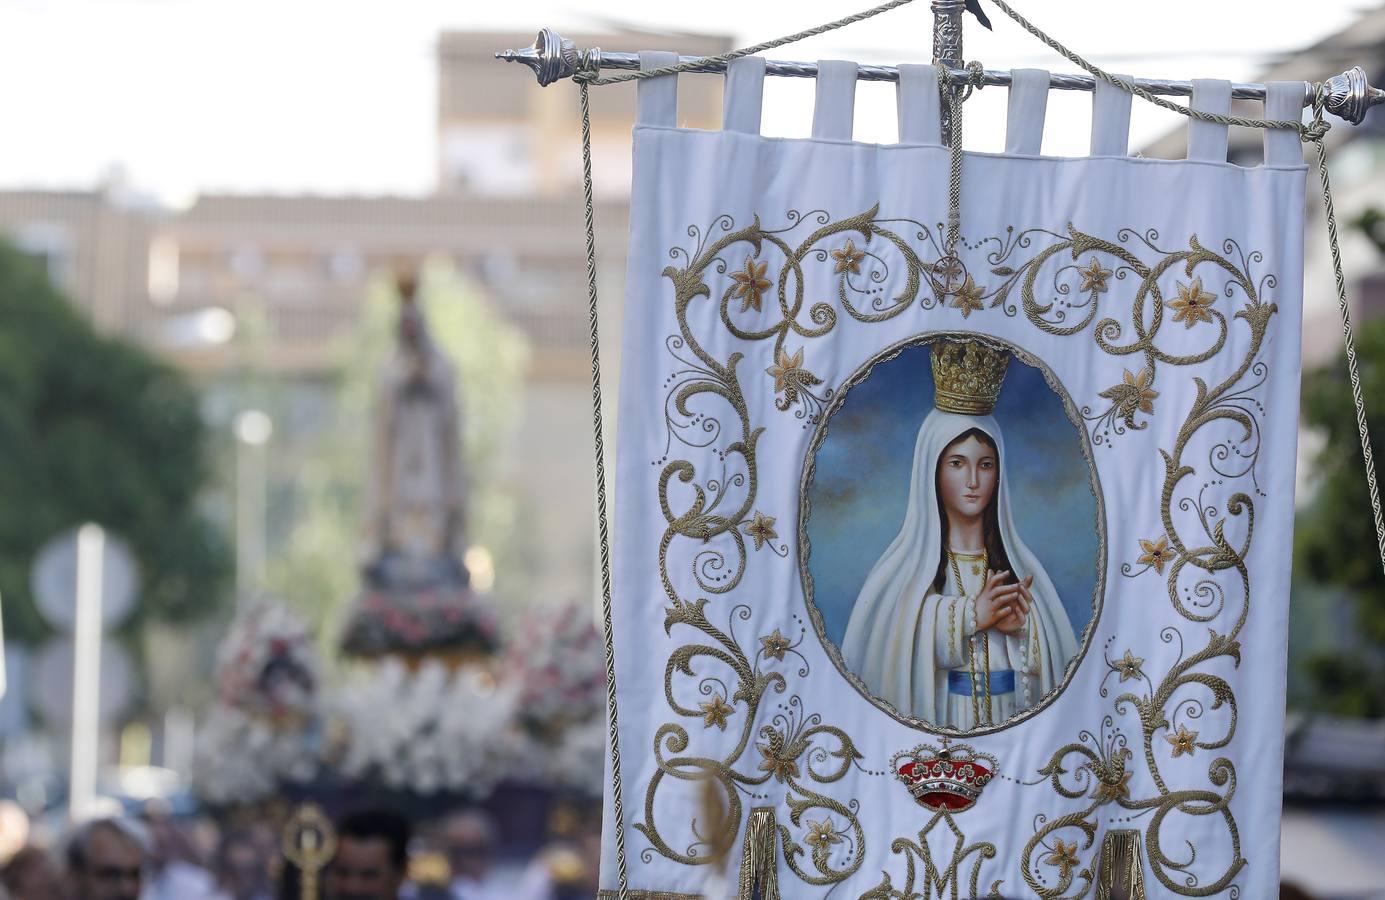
(309, 842)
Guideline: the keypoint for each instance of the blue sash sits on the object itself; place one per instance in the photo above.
(959, 682)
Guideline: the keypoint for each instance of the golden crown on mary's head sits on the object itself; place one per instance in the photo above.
(967, 376)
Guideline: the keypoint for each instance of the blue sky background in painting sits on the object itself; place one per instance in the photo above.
(861, 484)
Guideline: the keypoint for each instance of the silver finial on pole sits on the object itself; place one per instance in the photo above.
(1350, 96)
(551, 57)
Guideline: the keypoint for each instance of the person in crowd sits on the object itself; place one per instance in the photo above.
(106, 859)
(372, 857)
(31, 874)
(241, 873)
(470, 841)
(175, 869)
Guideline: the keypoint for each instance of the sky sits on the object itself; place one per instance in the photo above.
(338, 96)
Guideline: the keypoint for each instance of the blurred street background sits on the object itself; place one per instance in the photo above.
(211, 213)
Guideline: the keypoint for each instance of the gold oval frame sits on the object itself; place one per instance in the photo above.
(863, 372)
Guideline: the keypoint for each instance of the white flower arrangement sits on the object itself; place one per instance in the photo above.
(263, 729)
(428, 731)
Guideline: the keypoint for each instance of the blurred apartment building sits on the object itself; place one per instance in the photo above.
(506, 210)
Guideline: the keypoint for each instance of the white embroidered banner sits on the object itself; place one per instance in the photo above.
(954, 578)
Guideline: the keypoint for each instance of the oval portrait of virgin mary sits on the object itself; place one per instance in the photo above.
(951, 535)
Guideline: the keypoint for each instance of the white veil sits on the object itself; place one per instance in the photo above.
(885, 643)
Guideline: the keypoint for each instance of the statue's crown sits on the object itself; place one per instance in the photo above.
(967, 376)
(950, 778)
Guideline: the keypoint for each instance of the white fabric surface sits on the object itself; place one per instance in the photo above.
(691, 189)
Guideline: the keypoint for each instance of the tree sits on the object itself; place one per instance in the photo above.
(93, 429)
(1336, 542)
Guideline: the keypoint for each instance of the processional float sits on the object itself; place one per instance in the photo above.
(951, 548)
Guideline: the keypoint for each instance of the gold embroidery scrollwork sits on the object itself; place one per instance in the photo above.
(715, 515)
(937, 881)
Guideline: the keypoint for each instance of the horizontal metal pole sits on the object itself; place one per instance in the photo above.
(552, 58)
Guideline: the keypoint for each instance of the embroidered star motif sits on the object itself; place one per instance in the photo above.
(775, 645)
(1129, 666)
(1156, 553)
(848, 258)
(776, 762)
(967, 298)
(1064, 856)
(761, 529)
(1116, 789)
(1133, 394)
(1094, 277)
(750, 284)
(784, 368)
(822, 833)
(1182, 741)
(1192, 304)
(715, 711)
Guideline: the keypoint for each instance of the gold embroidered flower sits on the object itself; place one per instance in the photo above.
(1182, 741)
(1129, 666)
(967, 297)
(848, 258)
(785, 368)
(1064, 856)
(775, 644)
(1132, 395)
(1113, 785)
(1192, 304)
(777, 760)
(1094, 277)
(715, 711)
(821, 833)
(751, 283)
(790, 377)
(761, 529)
(1156, 553)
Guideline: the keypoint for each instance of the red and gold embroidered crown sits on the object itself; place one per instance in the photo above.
(947, 777)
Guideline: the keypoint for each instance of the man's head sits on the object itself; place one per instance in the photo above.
(241, 871)
(106, 859)
(372, 857)
(470, 838)
(31, 875)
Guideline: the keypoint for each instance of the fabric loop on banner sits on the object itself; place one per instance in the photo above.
(1283, 100)
(1110, 119)
(919, 105)
(1024, 129)
(657, 102)
(835, 105)
(743, 95)
(1207, 140)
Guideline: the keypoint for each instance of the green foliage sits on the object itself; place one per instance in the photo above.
(93, 429)
(316, 568)
(1335, 542)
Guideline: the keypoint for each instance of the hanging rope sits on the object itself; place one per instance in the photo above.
(602, 526)
(675, 68)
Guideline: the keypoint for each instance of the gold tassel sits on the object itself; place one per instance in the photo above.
(1121, 874)
(759, 862)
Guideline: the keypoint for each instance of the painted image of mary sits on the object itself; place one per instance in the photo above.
(957, 622)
